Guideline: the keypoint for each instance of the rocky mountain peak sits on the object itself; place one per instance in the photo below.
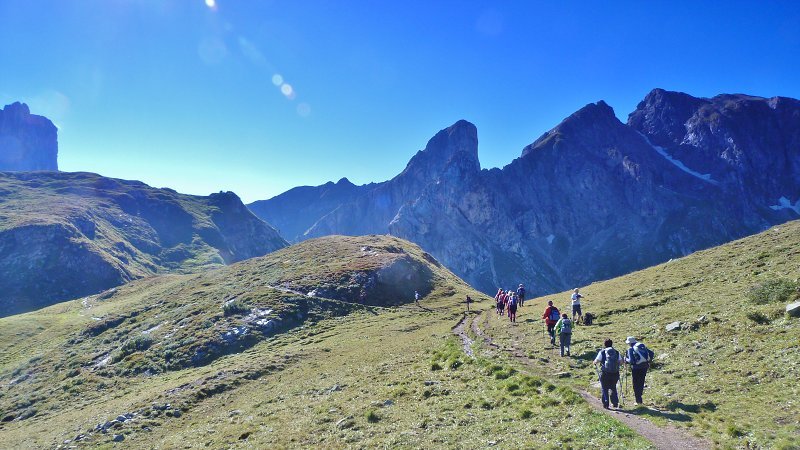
(591, 119)
(27, 142)
(662, 115)
(456, 144)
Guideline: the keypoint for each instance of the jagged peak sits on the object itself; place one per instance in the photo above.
(589, 116)
(456, 143)
(344, 182)
(18, 108)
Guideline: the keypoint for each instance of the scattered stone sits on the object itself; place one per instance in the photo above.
(332, 389)
(696, 363)
(674, 326)
(345, 423)
(702, 319)
(388, 403)
(562, 374)
(430, 383)
(793, 309)
(235, 412)
(118, 438)
(662, 356)
(121, 418)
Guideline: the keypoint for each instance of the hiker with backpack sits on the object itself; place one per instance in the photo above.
(609, 360)
(512, 308)
(521, 294)
(564, 332)
(576, 304)
(468, 301)
(416, 297)
(551, 317)
(500, 302)
(639, 358)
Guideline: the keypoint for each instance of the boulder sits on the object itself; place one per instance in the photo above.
(674, 326)
(793, 309)
(118, 438)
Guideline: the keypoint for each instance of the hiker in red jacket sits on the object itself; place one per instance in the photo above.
(551, 316)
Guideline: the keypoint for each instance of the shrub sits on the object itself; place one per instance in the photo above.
(235, 307)
(734, 431)
(758, 318)
(372, 416)
(525, 414)
(773, 291)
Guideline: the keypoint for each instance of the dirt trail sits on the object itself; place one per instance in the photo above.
(466, 341)
(663, 438)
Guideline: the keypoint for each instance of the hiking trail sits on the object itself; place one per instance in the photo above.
(663, 438)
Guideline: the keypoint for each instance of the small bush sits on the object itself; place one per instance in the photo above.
(436, 366)
(734, 431)
(525, 414)
(372, 416)
(773, 291)
(235, 307)
(758, 318)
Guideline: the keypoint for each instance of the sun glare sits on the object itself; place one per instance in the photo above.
(211, 4)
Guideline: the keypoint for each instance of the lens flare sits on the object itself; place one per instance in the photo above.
(304, 109)
(286, 89)
(277, 79)
(211, 4)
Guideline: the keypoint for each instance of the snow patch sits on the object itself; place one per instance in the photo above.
(785, 203)
(550, 239)
(679, 164)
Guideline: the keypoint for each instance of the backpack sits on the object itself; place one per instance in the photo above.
(554, 314)
(566, 326)
(641, 354)
(588, 318)
(610, 360)
(521, 292)
(513, 302)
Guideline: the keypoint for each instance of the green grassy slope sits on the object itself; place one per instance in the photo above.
(243, 357)
(63, 235)
(731, 372)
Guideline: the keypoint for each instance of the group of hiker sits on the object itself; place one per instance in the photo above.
(608, 362)
(508, 301)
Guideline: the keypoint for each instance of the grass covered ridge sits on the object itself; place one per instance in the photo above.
(730, 373)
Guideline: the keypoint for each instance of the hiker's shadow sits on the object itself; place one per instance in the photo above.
(672, 407)
(586, 356)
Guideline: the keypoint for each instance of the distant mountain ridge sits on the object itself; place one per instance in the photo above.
(27, 141)
(65, 235)
(591, 199)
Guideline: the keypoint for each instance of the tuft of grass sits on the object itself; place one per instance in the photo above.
(235, 307)
(774, 291)
(372, 416)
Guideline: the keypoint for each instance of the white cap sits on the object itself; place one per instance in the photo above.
(630, 340)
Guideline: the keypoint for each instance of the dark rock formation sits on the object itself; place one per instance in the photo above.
(66, 235)
(591, 199)
(27, 141)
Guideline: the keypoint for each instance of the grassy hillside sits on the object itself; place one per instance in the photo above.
(64, 235)
(730, 373)
(244, 357)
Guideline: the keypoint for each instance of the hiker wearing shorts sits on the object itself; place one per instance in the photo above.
(521, 295)
(564, 332)
(639, 357)
(551, 316)
(609, 360)
(576, 305)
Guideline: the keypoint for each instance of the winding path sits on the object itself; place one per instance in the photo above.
(662, 438)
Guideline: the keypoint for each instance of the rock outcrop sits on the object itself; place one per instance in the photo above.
(27, 142)
(66, 235)
(591, 199)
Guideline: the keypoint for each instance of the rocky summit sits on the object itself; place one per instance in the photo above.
(27, 141)
(66, 235)
(591, 199)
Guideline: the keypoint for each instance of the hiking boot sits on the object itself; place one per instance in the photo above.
(615, 406)
(567, 352)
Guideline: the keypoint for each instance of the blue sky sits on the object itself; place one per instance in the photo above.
(188, 93)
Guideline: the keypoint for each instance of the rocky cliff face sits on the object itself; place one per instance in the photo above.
(65, 235)
(592, 198)
(27, 141)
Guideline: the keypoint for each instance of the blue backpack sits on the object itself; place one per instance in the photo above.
(610, 360)
(554, 314)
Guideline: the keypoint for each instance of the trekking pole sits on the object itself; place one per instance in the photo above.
(621, 389)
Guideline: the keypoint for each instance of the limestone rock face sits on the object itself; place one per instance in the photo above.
(27, 142)
(591, 199)
(67, 235)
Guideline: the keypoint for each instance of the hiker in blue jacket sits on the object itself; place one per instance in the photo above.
(639, 357)
(609, 360)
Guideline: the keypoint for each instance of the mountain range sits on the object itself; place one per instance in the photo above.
(27, 141)
(591, 199)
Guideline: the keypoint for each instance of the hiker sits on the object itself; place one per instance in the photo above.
(509, 299)
(500, 304)
(512, 308)
(521, 295)
(551, 316)
(416, 297)
(469, 300)
(609, 360)
(576, 304)
(639, 357)
(564, 332)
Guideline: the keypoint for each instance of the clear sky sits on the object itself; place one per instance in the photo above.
(258, 96)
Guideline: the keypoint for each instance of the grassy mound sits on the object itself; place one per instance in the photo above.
(730, 371)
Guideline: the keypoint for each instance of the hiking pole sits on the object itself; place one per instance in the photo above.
(621, 389)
